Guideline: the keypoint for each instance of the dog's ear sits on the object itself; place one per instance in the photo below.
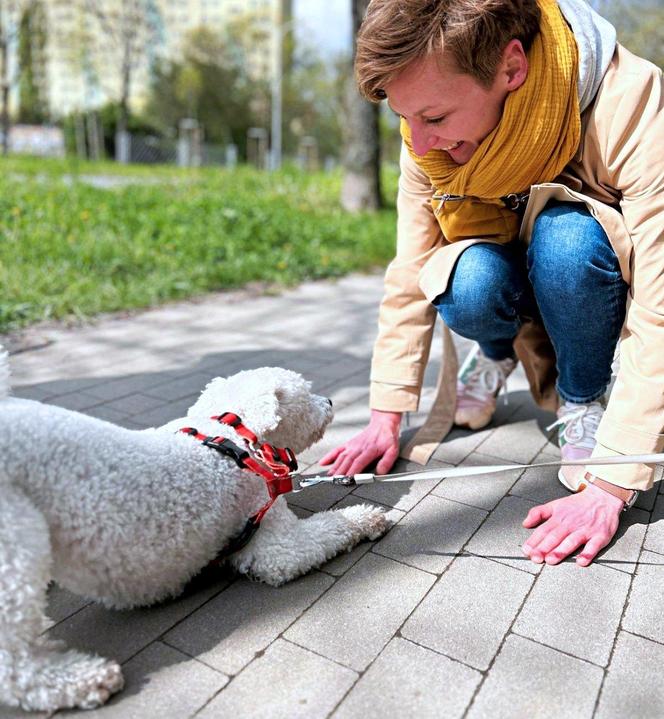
(259, 397)
(265, 412)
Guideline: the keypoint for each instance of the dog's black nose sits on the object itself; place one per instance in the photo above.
(329, 401)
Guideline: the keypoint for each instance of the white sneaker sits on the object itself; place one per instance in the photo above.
(478, 384)
(577, 426)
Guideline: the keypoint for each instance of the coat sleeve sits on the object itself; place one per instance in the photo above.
(632, 136)
(406, 318)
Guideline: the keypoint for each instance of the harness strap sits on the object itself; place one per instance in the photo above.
(274, 464)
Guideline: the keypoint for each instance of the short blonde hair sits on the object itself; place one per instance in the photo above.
(475, 32)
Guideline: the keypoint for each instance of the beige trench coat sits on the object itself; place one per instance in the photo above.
(618, 172)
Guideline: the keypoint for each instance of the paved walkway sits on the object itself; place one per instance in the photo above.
(443, 617)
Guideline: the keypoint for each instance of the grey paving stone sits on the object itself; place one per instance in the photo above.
(343, 562)
(644, 614)
(519, 441)
(431, 534)
(468, 612)
(343, 368)
(115, 388)
(633, 685)
(541, 485)
(164, 414)
(502, 535)
(623, 552)
(349, 394)
(646, 500)
(62, 604)
(350, 417)
(121, 634)
(287, 681)
(658, 474)
(179, 387)
(14, 713)
(458, 444)
(135, 404)
(160, 682)
(299, 511)
(484, 490)
(107, 414)
(575, 609)
(76, 401)
(38, 393)
(326, 385)
(530, 680)
(655, 535)
(357, 617)
(428, 685)
(227, 632)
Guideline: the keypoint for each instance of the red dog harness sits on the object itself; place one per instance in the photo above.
(274, 464)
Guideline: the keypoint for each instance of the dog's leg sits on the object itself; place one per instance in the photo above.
(286, 547)
(35, 673)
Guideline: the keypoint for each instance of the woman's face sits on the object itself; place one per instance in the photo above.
(451, 111)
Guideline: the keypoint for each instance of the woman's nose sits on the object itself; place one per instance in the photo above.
(421, 140)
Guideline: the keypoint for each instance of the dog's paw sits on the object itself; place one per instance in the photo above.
(72, 680)
(372, 522)
(105, 681)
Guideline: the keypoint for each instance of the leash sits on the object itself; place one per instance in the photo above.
(278, 467)
(304, 481)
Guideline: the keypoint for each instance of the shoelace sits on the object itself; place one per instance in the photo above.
(487, 377)
(580, 425)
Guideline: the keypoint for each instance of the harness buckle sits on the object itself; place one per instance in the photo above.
(225, 446)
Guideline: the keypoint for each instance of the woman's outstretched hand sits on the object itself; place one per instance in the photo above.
(378, 441)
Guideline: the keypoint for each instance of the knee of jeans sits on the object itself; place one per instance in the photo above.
(566, 242)
(475, 290)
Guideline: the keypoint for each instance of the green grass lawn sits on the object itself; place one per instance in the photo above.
(67, 248)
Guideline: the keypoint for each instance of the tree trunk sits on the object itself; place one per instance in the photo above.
(4, 82)
(123, 118)
(361, 158)
(5, 118)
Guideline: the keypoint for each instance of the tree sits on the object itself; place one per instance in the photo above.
(313, 101)
(640, 26)
(210, 83)
(10, 13)
(32, 35)
(128, 27)
(361, 184)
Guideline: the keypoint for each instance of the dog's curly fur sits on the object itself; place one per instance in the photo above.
(127, 518)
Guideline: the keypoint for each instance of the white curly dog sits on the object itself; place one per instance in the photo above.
(127, 518)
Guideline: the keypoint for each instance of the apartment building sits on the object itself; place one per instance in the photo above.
(84, 51)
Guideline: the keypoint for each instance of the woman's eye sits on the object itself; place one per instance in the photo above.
(434, 120)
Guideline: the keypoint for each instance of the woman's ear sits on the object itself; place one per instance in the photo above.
(514, 65)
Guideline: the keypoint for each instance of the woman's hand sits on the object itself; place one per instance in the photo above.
(587, 518)
(378, 441)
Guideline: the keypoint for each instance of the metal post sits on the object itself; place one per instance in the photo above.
(275, 154)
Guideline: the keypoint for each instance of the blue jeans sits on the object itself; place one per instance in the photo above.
(568, 278)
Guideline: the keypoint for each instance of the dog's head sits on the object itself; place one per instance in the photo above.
(274, 403)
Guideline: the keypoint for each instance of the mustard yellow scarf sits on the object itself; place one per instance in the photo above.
(537, 136)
